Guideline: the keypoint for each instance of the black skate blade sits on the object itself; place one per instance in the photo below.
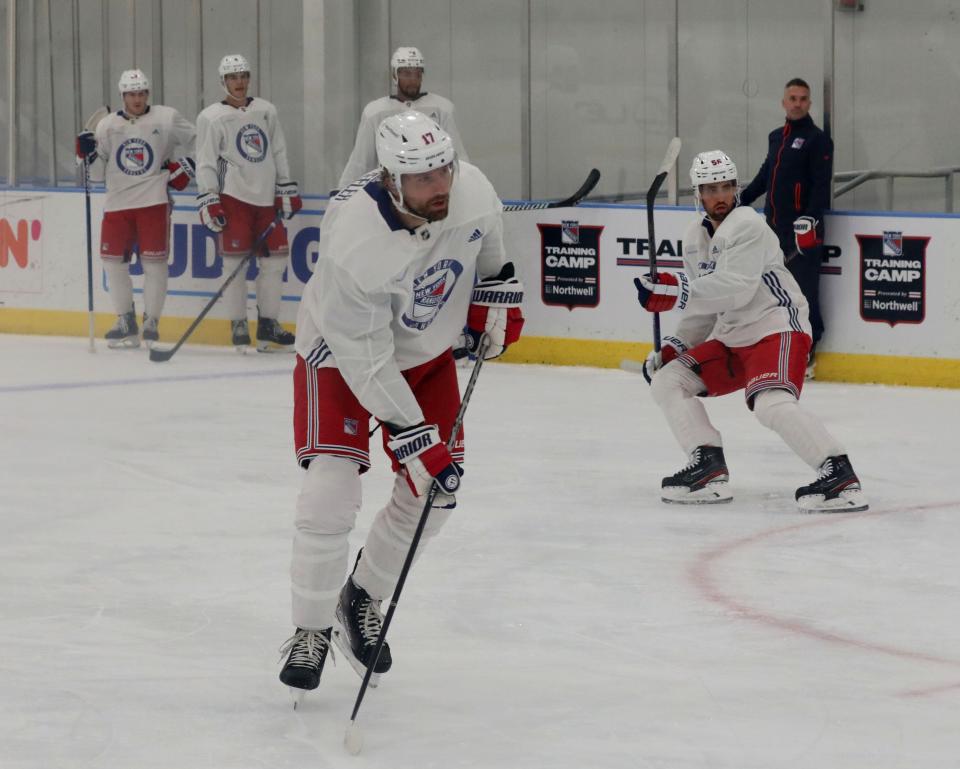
(271, 347)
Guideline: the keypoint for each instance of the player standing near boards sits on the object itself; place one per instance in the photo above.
(744, 327)
(243, 184)
(137, 145)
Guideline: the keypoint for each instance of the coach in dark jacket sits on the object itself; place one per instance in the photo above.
(796, 178)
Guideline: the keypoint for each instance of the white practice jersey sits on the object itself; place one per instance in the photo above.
(364, 156)
(134, 151)
(384, 299)
(241, 151)
(735, 287)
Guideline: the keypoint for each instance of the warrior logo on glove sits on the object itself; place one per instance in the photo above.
(495, 311)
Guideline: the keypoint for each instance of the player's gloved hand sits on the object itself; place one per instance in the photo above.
(86, 147)
(287, 200)
(211, 211)
(805, 233)
(425, 458)
(657, 360)
(181, 172)
(495, 311)
(662, 295)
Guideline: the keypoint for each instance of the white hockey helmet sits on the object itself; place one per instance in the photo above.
(411, 143)
(133, 80)
(405, 56)
(231, 64)
(709, 168)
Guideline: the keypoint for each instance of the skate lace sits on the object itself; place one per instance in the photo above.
(306, 648)
(826, 470)
(369, 620)
(694, 461)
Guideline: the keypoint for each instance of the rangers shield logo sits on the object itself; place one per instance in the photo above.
(134, 157)
(893, 278)
(252, 143)
(430, 292)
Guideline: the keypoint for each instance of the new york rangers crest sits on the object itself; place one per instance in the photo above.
(892, 243)
(570, 232)
(252, 143)
(134, 157)
(430, 292)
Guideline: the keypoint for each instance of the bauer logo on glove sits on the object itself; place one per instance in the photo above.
(661, 292)
(805, 233)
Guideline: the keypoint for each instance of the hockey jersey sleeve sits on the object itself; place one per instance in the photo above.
(363, 158)
(183, 134)
(208, 155)
(737, 273)
(98, 169)
(449, 125)
(356, 328)
(279, 143)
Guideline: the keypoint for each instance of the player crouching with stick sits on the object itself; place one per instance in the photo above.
(744, 327)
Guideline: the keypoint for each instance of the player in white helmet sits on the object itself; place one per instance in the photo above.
(243, 181)
(394, 283)
(145, 149)
(744, 326)
(406, 72)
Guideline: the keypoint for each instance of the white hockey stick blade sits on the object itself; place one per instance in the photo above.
(633, 366)
(95, 118)
(353, 739)
(673, 150)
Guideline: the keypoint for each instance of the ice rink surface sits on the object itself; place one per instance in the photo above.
(564, 618)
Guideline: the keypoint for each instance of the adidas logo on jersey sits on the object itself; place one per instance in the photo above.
(474, 236)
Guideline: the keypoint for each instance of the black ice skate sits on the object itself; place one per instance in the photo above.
(272, 337)
(836, 490)
(241, 335)
(306, 652)
(151, 331)
(703, 481)
(358, 627)
(124, 332)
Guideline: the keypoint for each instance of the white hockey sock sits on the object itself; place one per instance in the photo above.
(155, 275)
(120, 284)
(674, 389)
(270, 286)
(235, 295)
(389, 540)
(327, 510)
(799, 429)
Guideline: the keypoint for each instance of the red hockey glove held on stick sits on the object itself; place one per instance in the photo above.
(86, 147)
(495, 311)
(425, 458)
(660, 296)
(287, 200)
(212, 214)
(181, 172)
(805, 233)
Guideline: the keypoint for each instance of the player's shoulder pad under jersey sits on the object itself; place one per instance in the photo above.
(384, 104)
(477, 192)
(433, 100)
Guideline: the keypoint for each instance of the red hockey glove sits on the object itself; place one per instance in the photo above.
(181, 172)
(662, 295)
(287, 200)
(425, 458)
(211, 211)
(805, 233)
(657, 360)
(495, 311)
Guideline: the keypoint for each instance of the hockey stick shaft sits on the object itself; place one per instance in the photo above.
(164, 355)
(585, 189)
(408, 562)
(90, 318)
(673, 149)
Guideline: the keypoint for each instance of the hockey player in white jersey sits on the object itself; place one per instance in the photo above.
(145, 149)
(394, 282)
(406, 71)
(744, 327)
(243, 184)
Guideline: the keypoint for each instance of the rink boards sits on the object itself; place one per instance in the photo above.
(890, 283)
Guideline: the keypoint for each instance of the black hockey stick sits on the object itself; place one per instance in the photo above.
(161, 355)
(585, 189)
(673, 149)
(353, 738)
(90, 125)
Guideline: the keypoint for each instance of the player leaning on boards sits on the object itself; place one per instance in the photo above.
(406, 71)
(137, 145)
(393, 284)
(243, 181)
(744, 326)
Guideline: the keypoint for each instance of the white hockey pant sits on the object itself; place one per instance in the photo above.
(326, 514)
(674, 389)
(803, 432)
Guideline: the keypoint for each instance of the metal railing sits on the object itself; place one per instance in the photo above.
(854, 179)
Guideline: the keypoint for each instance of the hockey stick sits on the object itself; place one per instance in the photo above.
(90, 125)
(161, 355)
(585, 189)
(673, 149)
(353, 738)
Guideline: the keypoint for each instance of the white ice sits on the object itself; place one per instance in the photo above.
(565, 617)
